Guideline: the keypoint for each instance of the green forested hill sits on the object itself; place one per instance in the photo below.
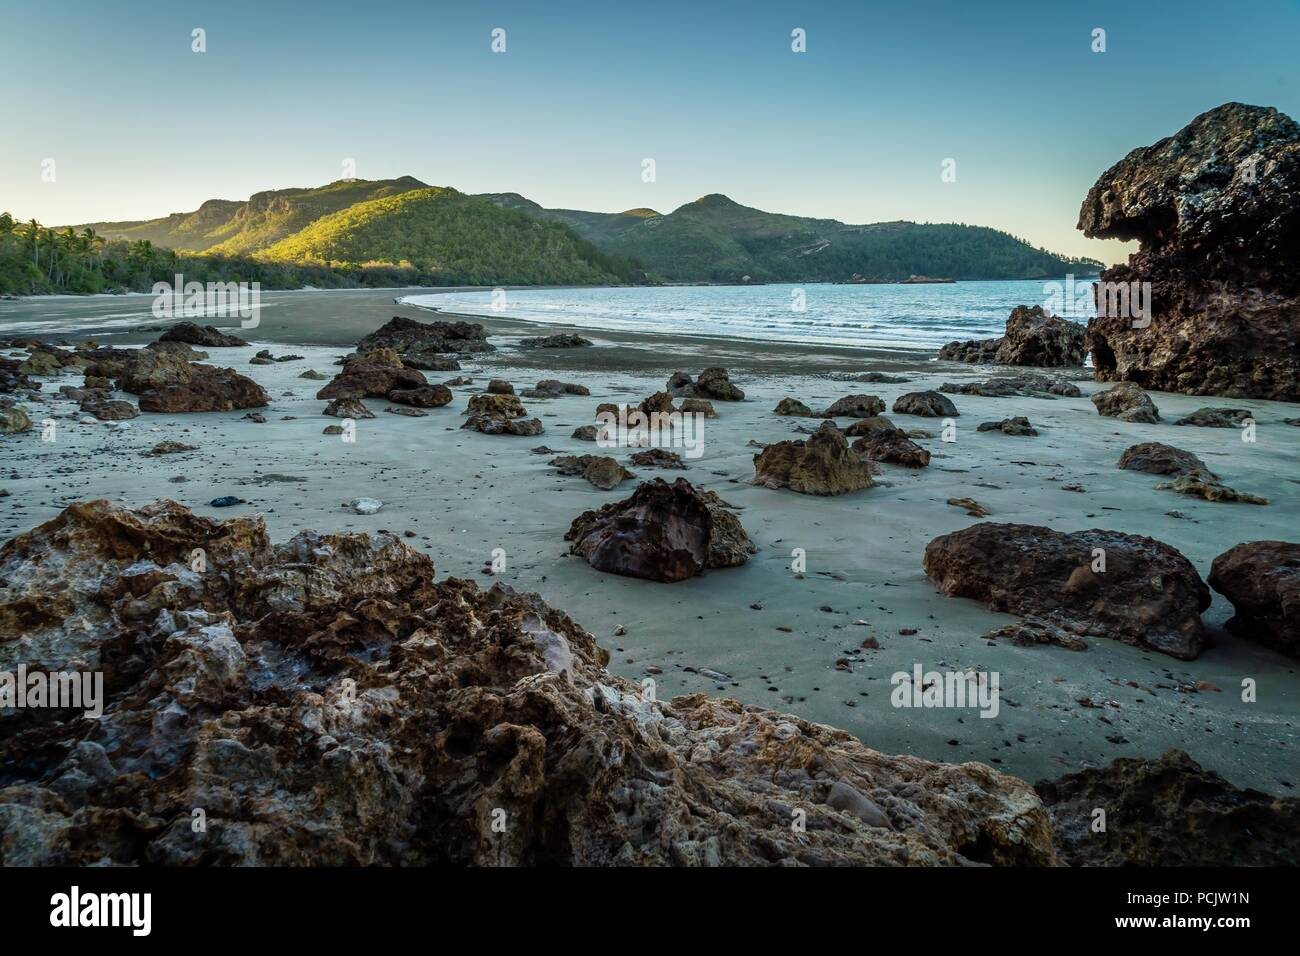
(228, 227)
(717, 239)
(462, 239)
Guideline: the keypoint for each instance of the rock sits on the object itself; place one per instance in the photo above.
(1199, 486)
(869, 426)
(191, 334)
(180, 350)
(41, 363)
(659, 402)
(497, 406)
(300, 691)
(365, 506)
(1262, 580)
(12, 380)
(372, 374)
(698, 406)
(1010, 426)
(430, 362)
(226, 501)
(1033, 337)
(890, 445)
(139, 370)
(793, 407)
(1155, 458)
(654, 457)
(407, 411)
(110, 411)
(713, 383)
(1174, 813)
(971, 507)
(348, 408)
(333, 429)
(855, 406)
(1034, 633)
(662, 532)
(1216, 418)
(408, 337)
(426, 396)
(314, 375)
(586, 433)
(925, 404)
(256, 417)
(496, 425)
(497, 386)
(1023, 383)
(1215, 210)
(602, 471)
(169, 447)
(1128, 403)
(848, 799)
(823, 465)
(1148, 594)
(209, 389)
(678, 382)
(13, 419)
(554, 388)
(97, 382)
(562, 340)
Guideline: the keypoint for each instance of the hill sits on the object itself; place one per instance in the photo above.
(715, 239)
(229, 227)
(456, 238)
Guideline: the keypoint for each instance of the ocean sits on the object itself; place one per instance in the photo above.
(867, 316)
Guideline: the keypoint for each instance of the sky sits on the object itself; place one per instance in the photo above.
(857, 128)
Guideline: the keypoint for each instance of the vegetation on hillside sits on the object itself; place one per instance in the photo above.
(460, 239)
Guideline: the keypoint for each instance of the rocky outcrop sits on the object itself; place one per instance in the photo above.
(1215, 418)
(881, 440)
(562, 340)
(1156, 458)
(1128, 403)
(822, 465)
(554, 388)
(1033, 337)
(1019, 425)
(426, 396)
(855, 406)
(792, 407)
(109, 410)
(206, 389)
(373, 374)
(663, 532)
(190, 333)
(925, 404)
(1021, 383)
(1091, 583)
(713, 383)
(13, 419)
(1216, 208)
(500, 415)
(601, 470)
(656, 458)
(1169, 812)
(1262, 580)
(420, 343)
(326, 702)
(698, 406)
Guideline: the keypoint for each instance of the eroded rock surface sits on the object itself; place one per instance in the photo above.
(190, 333)
(1128, 403)
(1148, 594)
(1033, 337)
(1262, 580)
(822, 465)
(413, 340)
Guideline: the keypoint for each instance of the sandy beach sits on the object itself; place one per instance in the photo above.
(463, 494)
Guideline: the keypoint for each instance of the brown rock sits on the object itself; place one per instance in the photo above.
(406, 336)
(496, 406)
(426, 396)
(1148, 595)
(698, 406)
(348, 408)
(1262, 580)
(602, 471)
(792, 407)
(1155, 458)
(855, 406)
(205, 335)
(111, 410)
(926, 404)
(1128, 403)
(890, 445)
(822, 465)
(209, 389)
(372, 374)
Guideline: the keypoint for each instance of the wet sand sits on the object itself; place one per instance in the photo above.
(465, 494)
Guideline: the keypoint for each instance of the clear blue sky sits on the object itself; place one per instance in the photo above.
(855, 129)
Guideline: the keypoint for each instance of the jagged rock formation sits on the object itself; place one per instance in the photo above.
(561, 340)
(1091, 583)
(1156, 458)
(1216, 208)
(713, 383)
(881, 440)
(205, 389)
(554, 388)
(189, 333)
(1169, 812)
(1023, 383)
(663, 532)
(1262, 580)
(1215, 418)
(425, 344)
(855, 406)
(373, 374)
(822, 465)
(1128, 403)
(1033, 337)
(326, 702)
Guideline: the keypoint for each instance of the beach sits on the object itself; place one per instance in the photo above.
(775, 634)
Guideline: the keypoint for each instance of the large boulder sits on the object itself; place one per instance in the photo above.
(1127, 402)
(822, 465)
(1090, 583)
(1262, 580)
(1033, 337)
(880, 440)
(662, 532)
(855, 406)
(207, 389)
(1156, 458)
(1168, 812)
(425, 396)
(413, 339)
(1216, 208)
(928, 404)
(373, 374)
(327, 702)
(190, 333)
